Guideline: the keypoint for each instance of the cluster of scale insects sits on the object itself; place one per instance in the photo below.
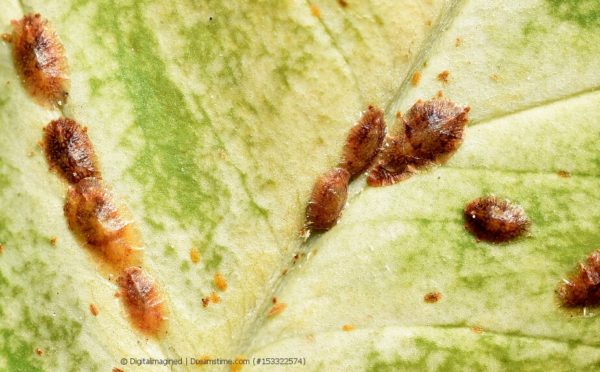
(92, 215)
(429, 134)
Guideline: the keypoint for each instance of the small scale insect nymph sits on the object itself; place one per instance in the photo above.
(364, 142)
(327, 199)
(142, 300)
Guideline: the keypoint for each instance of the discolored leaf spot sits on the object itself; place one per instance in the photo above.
(98, 222)
(583, 288)
(495, 220)
(364, 142)
(69, 150)
(142, 300)
(328, 199)
(40, 60)
(434, 129)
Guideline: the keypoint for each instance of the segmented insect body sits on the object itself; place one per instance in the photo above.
(583, 289)
(435, 129)
(142, 300)
(432, 131)
(364, 142)
(327, 199)
(98, 222)
(495, 220)
(69, 150)
(40, 60)
(395, 163)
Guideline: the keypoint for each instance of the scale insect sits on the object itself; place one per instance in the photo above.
(99, 223)
(364, 142)
(495, 220)
(40, 60)
(69, 150)
(327, 200)
(431, 133)
(142, 300)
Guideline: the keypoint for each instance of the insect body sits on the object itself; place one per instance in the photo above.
(40, 60)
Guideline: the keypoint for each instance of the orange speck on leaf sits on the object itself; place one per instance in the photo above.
(443, 76)
(347, 327)
(477, 329)
(7, 38)
(205, 301)
(1, 248)
(495, 77)
(458, 42)
(94, 310)
(315, 11)
(194, 255)
(416, 78)
(220, 282)
(276, 309)
(215, 298)
(39, 351)
(53, 241)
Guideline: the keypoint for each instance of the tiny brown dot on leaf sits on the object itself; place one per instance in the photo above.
(220, 282)
(276, 309)
(53, 241)
(94, 310)
(315, 11)
(477, 329)
(347, 327)
(343, 3)
(39, 351)
(564, 174)
(432, 297)
(458, 42)
(194, 255)
(443, 76)
(416, 78)
(215, 298)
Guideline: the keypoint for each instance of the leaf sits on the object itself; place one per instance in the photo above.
(212, 120)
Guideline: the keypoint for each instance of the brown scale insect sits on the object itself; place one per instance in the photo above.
(328, 199)
(583, 288)
(69, 150)
(395, 164)
(142, 300)
(495, 220)
(433, 131)
(40, 60)
(364, 142)
(98, 222)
